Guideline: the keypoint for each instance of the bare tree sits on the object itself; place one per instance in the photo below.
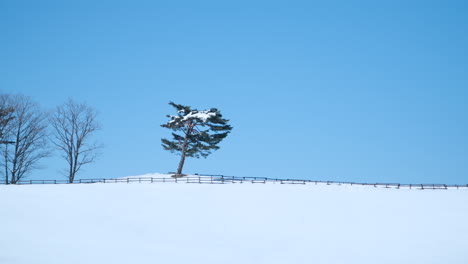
(73, 126)
(6, 115)
(27, 133)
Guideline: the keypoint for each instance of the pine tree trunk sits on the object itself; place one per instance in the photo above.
(181, 163)
(184, 149)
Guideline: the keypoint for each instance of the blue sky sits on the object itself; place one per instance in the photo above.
(329, 90)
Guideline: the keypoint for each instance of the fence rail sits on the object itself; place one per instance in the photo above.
(221, 179)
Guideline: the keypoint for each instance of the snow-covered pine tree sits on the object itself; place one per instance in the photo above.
(196, 133)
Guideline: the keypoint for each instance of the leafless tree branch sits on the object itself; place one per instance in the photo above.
(73, 125)
(28, 134)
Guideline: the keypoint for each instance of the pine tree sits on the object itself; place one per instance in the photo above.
(196, 133)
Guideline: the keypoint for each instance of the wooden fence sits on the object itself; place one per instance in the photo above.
(221, 179)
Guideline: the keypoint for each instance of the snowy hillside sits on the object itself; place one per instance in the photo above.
(231, 223)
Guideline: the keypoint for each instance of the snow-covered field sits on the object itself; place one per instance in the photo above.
(231, 223)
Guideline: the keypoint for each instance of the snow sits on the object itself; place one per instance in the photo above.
(203, 115)
(231, 223)
(149, 175)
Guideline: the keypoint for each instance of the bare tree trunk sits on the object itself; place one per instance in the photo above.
(6, 163)
(75, 167)
(71, 175)
(14, 162)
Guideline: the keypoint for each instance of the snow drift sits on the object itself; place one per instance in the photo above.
(231, 223)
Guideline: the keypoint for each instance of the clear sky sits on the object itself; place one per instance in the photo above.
(372, 91)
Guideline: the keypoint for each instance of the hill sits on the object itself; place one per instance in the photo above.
(231, 223)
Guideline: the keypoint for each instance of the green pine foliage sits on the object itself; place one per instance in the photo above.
(195, 133)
